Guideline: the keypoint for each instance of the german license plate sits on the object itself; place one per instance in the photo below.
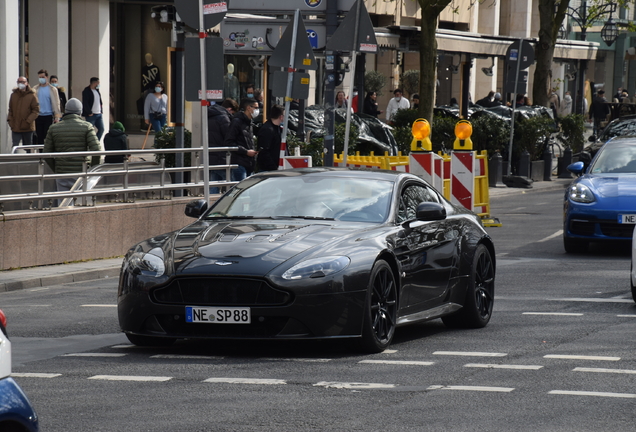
(627, 219)
(218, 315)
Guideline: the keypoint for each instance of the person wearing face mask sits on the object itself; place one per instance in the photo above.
(240, 135)
(61, 91)
(269, 139)
(93, 106)
(49, 106)
(24, 108)
(156, 107)
(395, 104)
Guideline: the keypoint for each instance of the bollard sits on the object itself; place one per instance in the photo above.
(524, 164)
(495, 171)
(547, 164)
(564, 162)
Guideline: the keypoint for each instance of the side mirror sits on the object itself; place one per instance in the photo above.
(429, 211)
(576, 168)
(195, 209)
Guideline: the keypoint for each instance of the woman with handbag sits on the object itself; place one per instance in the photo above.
(156, 107)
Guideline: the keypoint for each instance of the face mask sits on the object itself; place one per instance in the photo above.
(42, 80)
(54, 84)
(398, 98)
(97, 87)
(158, 89)
(250, 95)
(256, 113)
(21, 86)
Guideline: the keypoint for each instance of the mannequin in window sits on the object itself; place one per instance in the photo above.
(150, 74)
(231, 84)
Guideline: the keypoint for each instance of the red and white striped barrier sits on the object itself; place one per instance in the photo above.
(429, 166)
(463, 179)
(281, 158)
(481, 170)
(296, 162)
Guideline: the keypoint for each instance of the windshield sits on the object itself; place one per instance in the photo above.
(622, 127)
(615, 158)
(307, 197)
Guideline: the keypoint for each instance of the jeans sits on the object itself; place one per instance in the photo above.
(42, 124)
(157, 124)
(26, 138)
(64, 185)
(217, 175)
(239, 173)
(97, 121)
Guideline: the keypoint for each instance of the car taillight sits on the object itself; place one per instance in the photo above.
(3, 319)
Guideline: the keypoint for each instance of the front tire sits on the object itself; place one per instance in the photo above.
(480, 294)
(149, 341)
(380, 316)
(631, 279)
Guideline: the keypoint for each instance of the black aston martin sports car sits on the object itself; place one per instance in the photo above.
(311, 253)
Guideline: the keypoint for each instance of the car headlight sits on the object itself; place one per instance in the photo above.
(581, 193)
(317, 267)
(148, 263)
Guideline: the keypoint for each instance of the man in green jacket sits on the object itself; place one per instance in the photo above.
(72, 134)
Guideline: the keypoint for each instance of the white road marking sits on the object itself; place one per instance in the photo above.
(623, 296)
(94, 355)
(589, 393)
(594, 300)
(472, 388)
(553, 313)
(580, 357)
(626, 316)
(496, 366)
(35, 375)
(185, 357)
(246, 381)
(389, 351)
(301, 360)
(124, 346)
(38, 289)
(469, 354)
(130, 378)
(603, 370)
(353, 385)
(550, 237)
(399, 362)
(99, 305)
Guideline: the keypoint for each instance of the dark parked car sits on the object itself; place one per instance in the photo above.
(311, 254)
(600, 205)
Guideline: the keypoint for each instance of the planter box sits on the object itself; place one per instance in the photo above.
(536, 173)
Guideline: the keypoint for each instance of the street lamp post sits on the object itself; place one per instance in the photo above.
(609, 33)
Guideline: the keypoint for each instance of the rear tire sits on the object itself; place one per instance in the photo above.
(380, 315)
(149, 341)
(631, 269)
(480, 294)
(574, 245)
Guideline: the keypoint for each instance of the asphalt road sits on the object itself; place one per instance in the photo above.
(558, 355)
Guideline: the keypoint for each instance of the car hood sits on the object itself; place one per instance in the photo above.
(612, 191)
(248, 248)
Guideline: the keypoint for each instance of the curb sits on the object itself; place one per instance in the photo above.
(76, 276)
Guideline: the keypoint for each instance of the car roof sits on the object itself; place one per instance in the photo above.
(370, 174)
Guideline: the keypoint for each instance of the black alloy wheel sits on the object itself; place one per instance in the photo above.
(480, 295)
(380, 316)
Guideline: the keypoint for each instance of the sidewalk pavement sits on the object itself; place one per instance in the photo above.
(36, 277)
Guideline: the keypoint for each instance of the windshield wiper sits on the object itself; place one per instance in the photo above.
(309, 217)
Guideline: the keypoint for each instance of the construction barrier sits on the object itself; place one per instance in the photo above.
(386, 162)
(297, 162)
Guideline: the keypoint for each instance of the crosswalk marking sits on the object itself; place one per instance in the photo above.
(472, 388)
(246, 381)
(504, 366)
(398, 362)
(603, 370)
(185, 357)
(553, 313)
(100, 305)
(129, 378)
(590, 393)
(35, 375)
(353, 385)
(580, 357)
(469, 354)
(301, 360)
(94, 355)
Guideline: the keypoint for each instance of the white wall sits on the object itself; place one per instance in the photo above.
(9, 66)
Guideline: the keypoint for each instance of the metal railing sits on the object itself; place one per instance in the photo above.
(41, 198)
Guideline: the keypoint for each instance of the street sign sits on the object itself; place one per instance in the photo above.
(303, 53)
(261, 35)
(522, 82)
(345, 38)
(214, 69)
(300, 84)
(213, 12)
(527, 54)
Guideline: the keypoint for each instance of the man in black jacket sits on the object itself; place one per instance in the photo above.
(241, 135)
(269, 137)
(599, 111)
(219, 119)
(93, 106)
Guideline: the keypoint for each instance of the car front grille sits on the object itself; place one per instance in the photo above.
(580, 227)
(220, 292)
(607, 228)
(614, 229)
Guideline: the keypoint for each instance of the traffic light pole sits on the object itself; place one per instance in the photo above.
(330, 85)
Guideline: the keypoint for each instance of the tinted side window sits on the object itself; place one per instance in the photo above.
(411, 196)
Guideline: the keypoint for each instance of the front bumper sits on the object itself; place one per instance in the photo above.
(595, 225)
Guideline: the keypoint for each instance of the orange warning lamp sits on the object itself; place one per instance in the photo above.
(463, 131)
(421, 130)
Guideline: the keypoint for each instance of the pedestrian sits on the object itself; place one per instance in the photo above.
(396, 103)
(116, 139)
(341, 100)
(269, 140)
(24, 108)
(49, 106)
(371, 104)
(61, 91)
(566, 105)
(156, 107)
(219, 120)
(555, 103)
(497, 100)
(487, 101)
(599, 112)
(416, 101)
(258, 95)
(240, 135)
(72, 134)
(354, 100)
(93, 106)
